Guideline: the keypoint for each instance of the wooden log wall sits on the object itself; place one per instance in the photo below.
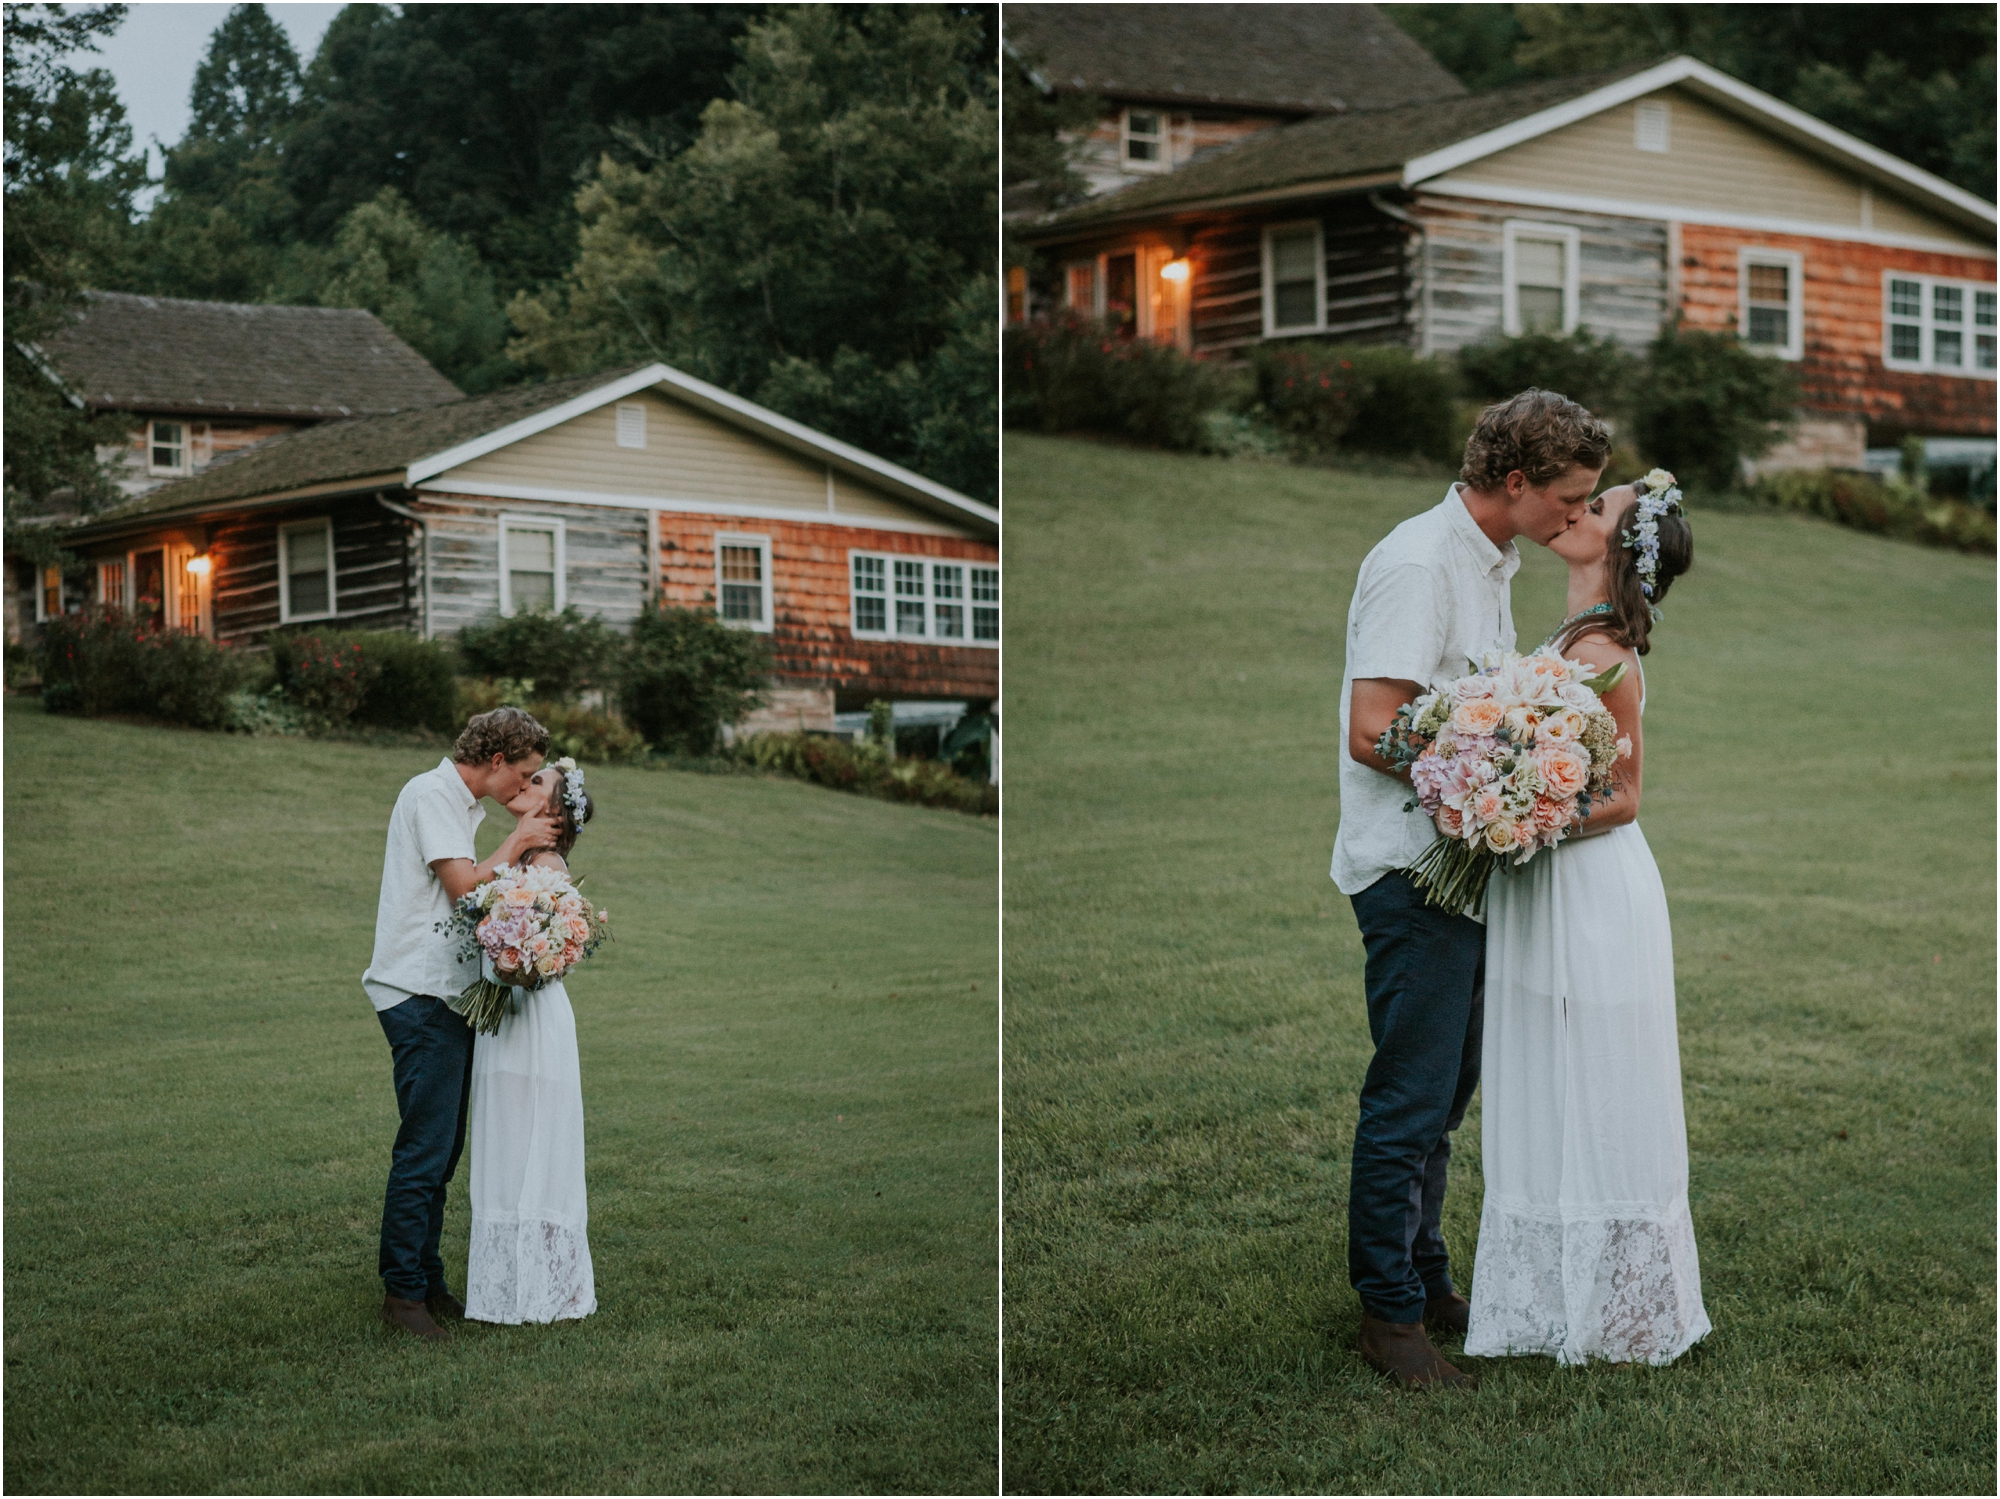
(1367, 274)
(374, 568)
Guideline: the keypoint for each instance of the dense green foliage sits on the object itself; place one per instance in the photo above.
(868, 768)
(1704, 403)
(789, 1096)
(1071, 373)
(560, 654)
(1186, 1033)
(591, 735)
(1916, 81)
(104, 662)
(685, 674)
(384, 678)
(1597, 372)
(1887, 507)
(1327, 397)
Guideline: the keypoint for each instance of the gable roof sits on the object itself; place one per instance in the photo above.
(1291, 59)
(405, 448)
(168, 354)
(1413, 144)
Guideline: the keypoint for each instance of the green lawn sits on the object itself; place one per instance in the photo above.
(790, 1103)
(1185, 1033)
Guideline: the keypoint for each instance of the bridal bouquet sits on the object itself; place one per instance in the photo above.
(1506, 762)
(526, 927)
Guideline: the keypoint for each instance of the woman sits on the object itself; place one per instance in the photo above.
(1586, 1249)
(530, 1259)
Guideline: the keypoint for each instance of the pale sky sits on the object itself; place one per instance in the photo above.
(153, 56)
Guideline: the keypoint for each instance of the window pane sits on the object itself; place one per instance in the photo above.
(305, 551)
(985, 623)
(986, 585)
(531, 591)
(1769, 326)
(1947, 304)
(951, 621)
(870, 613)
(1142, 137)
(1982, 309)
(1541, 309)
(308, 591)
(1949, 348)
(1292, 257)
(909, 580)
(1906, 341)
(744, 602)
(1539, 262)
(909, 617)
(1295, 305)
(1982, 351)
(868, 575)
(1770, 283)
(1906, 299)
(947, 582)
(742, 564)
(1083, 287)
(531, 551)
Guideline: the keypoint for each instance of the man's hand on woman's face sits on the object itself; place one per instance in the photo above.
(536, 830)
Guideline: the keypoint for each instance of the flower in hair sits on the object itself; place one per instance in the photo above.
(1658, 496)
(572, 787)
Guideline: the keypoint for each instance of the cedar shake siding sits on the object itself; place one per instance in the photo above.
(812, 640)
(1842, 371)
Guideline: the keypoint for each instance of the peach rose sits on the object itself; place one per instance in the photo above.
(1564, 726)
(1487, 804)
(1550, 816)
(1451, 822)
(1500, 836)
(1564, 771)
(1525, 833)
(1480, 716)
(511, 958)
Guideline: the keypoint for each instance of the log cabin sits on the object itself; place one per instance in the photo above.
(1614, 201)
(603, 492)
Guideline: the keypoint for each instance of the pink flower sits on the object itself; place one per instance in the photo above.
(1450, 821)
(1564, 770)
(1551, 816)
(1487, 804)
(1624, 746)
(1480, 716)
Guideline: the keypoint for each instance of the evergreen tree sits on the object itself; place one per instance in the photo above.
(825, 246)
(70, 177)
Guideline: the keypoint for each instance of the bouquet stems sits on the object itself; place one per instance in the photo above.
(1453, 875)
(484, 1004)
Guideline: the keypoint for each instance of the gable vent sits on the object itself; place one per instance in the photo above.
(1651, 125)
(631, 425)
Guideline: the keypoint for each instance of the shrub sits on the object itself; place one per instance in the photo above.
(867, 768)
(1075, 374)
(414, 686)
(1595, 372)
(324, 676)
(1327, 398)
(561, 653)
(1888, 508)
(103, 662)
(686, 674)
(1705, 403)
(264, 713)
(588, 734)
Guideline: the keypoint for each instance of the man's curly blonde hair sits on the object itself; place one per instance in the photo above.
(1542, 434)
(509, 732)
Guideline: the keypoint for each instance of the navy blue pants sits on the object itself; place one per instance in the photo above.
(1426, 991)
(432, 1049)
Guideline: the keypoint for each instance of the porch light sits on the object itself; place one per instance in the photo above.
(1175, 270)
(198, 565)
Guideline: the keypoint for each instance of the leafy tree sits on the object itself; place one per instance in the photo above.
(685, 674)
(1706, 402)
(824, 246)
(1041, 134)
(70, 174)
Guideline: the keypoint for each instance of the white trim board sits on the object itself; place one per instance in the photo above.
(472, 490)
(718, 403)
(1719, 88)
(1497, 192)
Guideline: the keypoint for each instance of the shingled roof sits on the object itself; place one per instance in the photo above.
(167, 354)
(358, 449)
(1333, 147)
(1301, 59)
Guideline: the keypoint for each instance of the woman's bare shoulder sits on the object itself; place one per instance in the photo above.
(1598, 649)
(547, 858)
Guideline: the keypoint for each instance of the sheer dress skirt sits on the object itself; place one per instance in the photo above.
(530, 1257)
(1586, 1248)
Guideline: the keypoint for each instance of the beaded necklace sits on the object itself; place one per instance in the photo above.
(1603, 608)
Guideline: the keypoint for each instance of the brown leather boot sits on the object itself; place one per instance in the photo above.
(1401, 1351)
(1448, 1315)
(444, 1304)
(412, 1316)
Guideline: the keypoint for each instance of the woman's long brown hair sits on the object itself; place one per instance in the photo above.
(1629, 621)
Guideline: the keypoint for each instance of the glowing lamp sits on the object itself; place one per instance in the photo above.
(198, 565)
(1175, 270)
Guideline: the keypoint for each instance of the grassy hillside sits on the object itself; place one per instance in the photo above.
(789, 1095)
(1185, 1033)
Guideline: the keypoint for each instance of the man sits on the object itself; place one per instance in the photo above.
(1431, 595)
(429, 864)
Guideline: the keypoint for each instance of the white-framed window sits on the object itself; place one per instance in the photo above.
(631, 424)
(1144, 140)
(531, 564)
(305, 570)
(1938, 325)
(1652, 125)
(1770, 313)
(947, 599)
(167, 447)
(743, 581)
(1294, 279)
(1538, 270)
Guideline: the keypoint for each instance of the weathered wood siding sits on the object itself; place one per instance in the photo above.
(374, 569)
(1713, 161)
(1366, 275)
(1100, 155)
(1622, 284)
(604, 558)
(1841, 371)
(208, 440)
(812, 639)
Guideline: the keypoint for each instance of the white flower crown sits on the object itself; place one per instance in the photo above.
(1658, 496)
(572, 788)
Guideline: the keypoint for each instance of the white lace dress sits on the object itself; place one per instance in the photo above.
(1586, 1249)
(530, 1259)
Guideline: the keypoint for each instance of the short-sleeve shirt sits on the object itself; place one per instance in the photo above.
(435, 818)
(1432, 595)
